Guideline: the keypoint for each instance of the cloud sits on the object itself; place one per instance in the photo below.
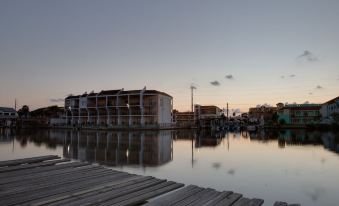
(309, 56)
(310, 93)
(231, 171)
(216, 165)
(229, 76)
(319, 87)
(57, 100)
(215, 83)
(291, 76)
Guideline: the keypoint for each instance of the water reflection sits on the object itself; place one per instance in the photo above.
(261, 164)
(329, 140)
(152, 148)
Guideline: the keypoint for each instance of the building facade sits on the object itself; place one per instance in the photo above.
(8, 116)
(262, 113)
(299, 114)
(206, 112)
(328, 109)
(120, 108)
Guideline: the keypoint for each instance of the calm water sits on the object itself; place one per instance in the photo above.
(293, 166)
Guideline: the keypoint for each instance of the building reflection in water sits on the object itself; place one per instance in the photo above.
(119, 148)
(330, 140)
(153, 148)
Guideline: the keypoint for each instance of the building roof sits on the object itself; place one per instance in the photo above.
(303, 106)
(72, 96)
(7, 109)
(156, 92)
(109, 92)
(332, 100)
(92, 94)
(117, 91)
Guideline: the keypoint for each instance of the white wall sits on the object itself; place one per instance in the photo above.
(164, 109)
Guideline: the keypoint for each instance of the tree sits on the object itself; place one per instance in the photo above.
(275, 118)
(23, 112)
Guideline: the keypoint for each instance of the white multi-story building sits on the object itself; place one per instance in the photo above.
(120, 108)
(329, 108)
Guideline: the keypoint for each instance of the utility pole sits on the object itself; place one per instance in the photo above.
(192, 109)
(227, 112)
(15, 104)
(192, 87)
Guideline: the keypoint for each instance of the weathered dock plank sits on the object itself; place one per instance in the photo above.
(33, 165)
(176, 196)
(42, 181)
(82, 193)
(42, 169)
(219, 198)
(27, 160)
(37, 176)
(229, 200)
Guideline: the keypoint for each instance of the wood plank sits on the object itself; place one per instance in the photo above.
(55, 183)
(68, 197)
(27, 160)
(116, 193)
(229, 200)
(50, 182)
(44, 169)
(38, 180)
(25, 177)
(205, 198)
(33, 165)
(49, 191)
(256, 202)
(219, 198)
(242, 202)
(141, 196)
(175, 196)
(194, 197)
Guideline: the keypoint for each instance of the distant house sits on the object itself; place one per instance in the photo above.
(263, 113)
(8, 116)
(299, 114)
(206, 112)
(183, 118)
(52, 115)
(328, 109)
(203, 116)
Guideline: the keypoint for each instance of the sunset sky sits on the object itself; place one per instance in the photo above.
(242, 52)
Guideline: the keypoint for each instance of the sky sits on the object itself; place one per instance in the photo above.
(245, 53)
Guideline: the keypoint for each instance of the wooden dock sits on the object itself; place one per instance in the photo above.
(50, 180)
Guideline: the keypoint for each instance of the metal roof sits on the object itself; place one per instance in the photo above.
(7, 109)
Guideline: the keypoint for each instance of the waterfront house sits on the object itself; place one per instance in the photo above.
(206, 112)
(120, 108)
(299, 114)
(203, 115)
(328, 109)
(263, 114)
(183, 119)
(8, 116)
